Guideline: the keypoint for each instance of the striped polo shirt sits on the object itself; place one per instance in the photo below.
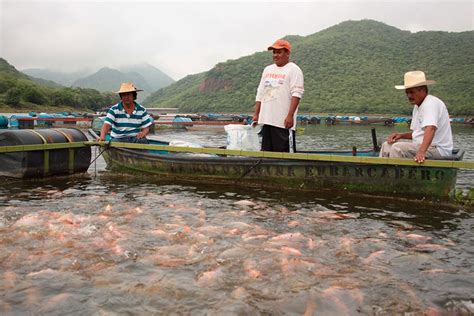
(124, 124)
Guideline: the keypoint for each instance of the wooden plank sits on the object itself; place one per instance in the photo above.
(46, 162)
(35, 147)
(71, 160)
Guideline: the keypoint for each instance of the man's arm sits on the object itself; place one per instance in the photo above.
(397, 136)
(104, 131)
(430, 131)
(258, 104)
(289, 121)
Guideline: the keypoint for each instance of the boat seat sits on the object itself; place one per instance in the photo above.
(457, 155)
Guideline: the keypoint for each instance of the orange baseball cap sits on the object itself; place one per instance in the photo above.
(279, 44)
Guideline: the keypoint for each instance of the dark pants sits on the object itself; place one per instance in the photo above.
(277, 139)
(131, 139)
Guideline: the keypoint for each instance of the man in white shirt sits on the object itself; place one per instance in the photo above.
(278, 95)
(431, 129)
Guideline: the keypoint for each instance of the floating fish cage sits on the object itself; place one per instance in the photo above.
(37, 162)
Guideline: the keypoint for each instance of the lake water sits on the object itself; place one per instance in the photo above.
(106, 244)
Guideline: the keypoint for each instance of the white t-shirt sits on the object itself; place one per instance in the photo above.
(433, 111)
(277, 86)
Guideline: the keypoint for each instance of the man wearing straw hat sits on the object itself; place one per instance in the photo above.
(127, 120)
(278, 96)
(431, 129)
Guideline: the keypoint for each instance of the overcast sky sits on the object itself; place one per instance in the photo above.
(187, 37)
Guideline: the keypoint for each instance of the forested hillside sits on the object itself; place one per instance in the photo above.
(20, 93)
(351, 67)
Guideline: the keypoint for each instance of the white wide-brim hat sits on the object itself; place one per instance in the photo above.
(415, 79)
(128, 87)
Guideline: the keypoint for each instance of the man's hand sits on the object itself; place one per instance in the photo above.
(393, 138)
(289, 122)
(420, 156)
(142, 134)
(255, 120)
(425, 145)
(256, 114)
(103, 132)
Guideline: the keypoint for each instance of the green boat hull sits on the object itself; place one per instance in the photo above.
(378, 179)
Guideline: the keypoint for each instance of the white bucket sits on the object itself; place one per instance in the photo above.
(242, 137)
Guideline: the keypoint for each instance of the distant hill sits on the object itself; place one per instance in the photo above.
(153, 76)
(109, 80)
(45, 82)
(143, 75)
(62, 78)
(351, 67)
(18, 92)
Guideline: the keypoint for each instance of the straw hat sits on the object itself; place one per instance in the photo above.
(127, 87)
(279, 44)
(415, 79)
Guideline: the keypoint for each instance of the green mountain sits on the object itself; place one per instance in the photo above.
(144, 76)
(18, 92)
(153, 76)
(109, 80)
(62, 78)
(351, 67)
(46, 82)
(10, 72)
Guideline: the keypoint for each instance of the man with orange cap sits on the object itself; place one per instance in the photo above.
(278, 95)
(431, 129)
(127, 120)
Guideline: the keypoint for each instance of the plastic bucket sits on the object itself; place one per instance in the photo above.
(242, 137)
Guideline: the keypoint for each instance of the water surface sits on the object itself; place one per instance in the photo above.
(113, 244)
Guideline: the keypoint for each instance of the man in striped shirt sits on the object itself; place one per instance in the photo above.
(127, 120)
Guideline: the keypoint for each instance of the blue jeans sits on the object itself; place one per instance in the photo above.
(131, 139)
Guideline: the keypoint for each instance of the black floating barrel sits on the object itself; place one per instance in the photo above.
(39, 163)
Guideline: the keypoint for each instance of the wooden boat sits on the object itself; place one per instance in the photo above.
(358, 171)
